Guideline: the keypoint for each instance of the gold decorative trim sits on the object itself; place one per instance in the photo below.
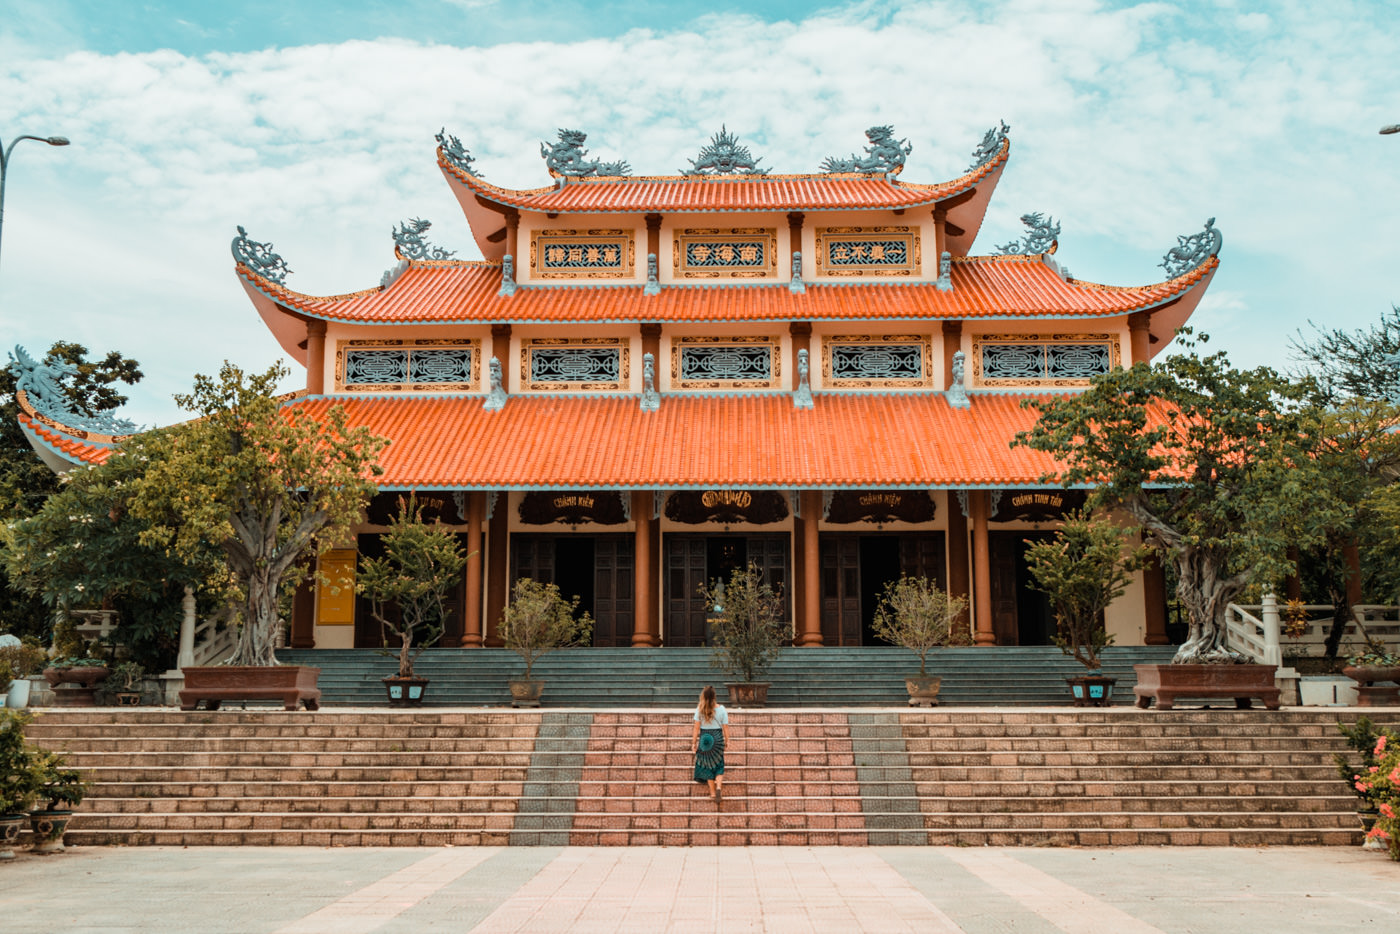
(424, 344)
(725, 236)
(1115, 350)
(923, 341)
(775, 363)
(624, 364)
(913, 251)
(599, 239)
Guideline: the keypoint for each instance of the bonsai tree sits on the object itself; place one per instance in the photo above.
(127, 677)
(265, 481)
(1213, 462)
(19, 783)
(749, 624)
(421, 563)
(1084, 568)
(539, 620)
(55, 784)
(918, 614)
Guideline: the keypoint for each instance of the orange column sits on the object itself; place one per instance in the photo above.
(952, 343)
(315, 357)
(643, 575)
(512, 239)
(654, 237)
(1139, 329)
(801, 332)
(471, 617)
(940, 232)
(810, 628)
(958, 576)
(979, 504)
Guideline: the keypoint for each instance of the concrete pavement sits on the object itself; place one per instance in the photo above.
(305, 890)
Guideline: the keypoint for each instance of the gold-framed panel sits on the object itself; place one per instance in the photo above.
(982, 340)
(592, 253)
(775, 362)
(922, 341)
(741, 253)
(410, 345)
(868, 251)
(529, 346)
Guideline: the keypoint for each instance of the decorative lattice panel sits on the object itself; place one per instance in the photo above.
(724, 363)
(868, 251)
(885, 361)
(556, 365)
(582, 254)
(733, 253)
(362, 365)
(1060, 361)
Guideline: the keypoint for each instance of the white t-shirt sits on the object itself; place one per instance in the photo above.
(720, 718)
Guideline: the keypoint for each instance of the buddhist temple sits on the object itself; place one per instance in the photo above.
(649, 381)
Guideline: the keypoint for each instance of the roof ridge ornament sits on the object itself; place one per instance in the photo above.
(987, 150)
(1193, 251)
(651, 399)
(1042, 237)
(945, 272)
(453, 151)
(496, 397)
(802, 398)
(723, 155)
(884, 155)
(508, 285)
(409, 242)
(259, 258)
(957, 390)
(565, 159)
(796, 286)
(653, 286)
(42, 384)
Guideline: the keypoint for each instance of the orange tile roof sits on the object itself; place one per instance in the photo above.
(680, 193)
(983, 287)
(762, 441)
(69, 443)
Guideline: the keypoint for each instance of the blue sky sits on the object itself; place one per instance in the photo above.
(312, 123)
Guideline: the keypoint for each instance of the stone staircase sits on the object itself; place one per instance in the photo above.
(617, 777)
(627, 677)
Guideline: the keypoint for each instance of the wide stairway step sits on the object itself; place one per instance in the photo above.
(801, 677)
(851, 776)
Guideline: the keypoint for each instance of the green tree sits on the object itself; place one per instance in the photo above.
(749, 625)
(25, 481)
(84, 548)
(421, 563)
(1084, 568)
(1207, 458)
(264, 482)
(1352, 364)
(918, 614)
(539, 620)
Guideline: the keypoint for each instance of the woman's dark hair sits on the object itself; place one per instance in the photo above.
(707, 702)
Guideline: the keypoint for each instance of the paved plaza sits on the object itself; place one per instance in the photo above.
(932, 890)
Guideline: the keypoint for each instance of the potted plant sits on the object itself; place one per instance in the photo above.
(538, 621)
(407, 589)
(23, 660)
(18, 779)
(918, 614)
(1372, 664)
(1083, 569)
(127, 678)
(55, 785)
(748, 627)
(74, 672)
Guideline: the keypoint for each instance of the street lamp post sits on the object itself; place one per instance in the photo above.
(5, 164)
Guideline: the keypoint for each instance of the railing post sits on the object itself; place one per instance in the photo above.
(186, 657)
(1273, 653)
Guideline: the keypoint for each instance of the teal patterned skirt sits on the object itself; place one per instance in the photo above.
(709, 756)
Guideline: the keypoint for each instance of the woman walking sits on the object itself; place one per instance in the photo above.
(707, 741)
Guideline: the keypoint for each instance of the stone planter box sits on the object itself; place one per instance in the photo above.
(1240, 683)
(1326, 691)
(214, 684)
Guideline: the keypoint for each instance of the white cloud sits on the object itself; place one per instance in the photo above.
(1130, 125)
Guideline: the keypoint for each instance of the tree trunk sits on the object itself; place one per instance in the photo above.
(1205, 592)
(257, 639)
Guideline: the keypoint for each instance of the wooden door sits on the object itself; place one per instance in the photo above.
(1005, 549)
(532, 556)
(840, 589)
(922, 555)
(613, 593)
(686, 610)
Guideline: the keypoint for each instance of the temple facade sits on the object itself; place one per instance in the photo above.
(648, 382)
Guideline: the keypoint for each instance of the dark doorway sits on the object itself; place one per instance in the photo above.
(879, 566)
(573, 570)
(855, 569)
(695, 561)
(1021, 615)
(595, 568)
